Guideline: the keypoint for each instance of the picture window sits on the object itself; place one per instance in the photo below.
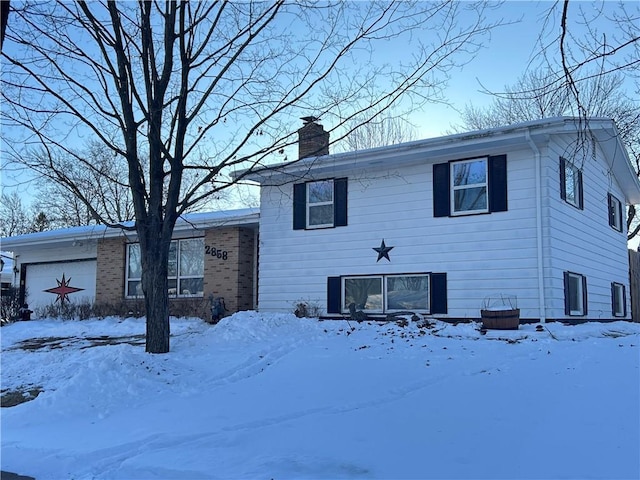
(387, 293)
(185, 272)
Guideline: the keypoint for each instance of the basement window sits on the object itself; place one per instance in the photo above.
(618, 300)
(575, 294)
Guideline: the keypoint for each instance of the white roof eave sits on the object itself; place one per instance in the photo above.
(248, 216)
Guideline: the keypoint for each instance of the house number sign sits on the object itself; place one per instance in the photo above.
(216, 252)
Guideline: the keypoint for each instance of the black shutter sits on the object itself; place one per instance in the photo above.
(441, 190)
(340, 202)
(498, 183)
(438, 297)
(584, 296)
(613, 299)
(563, 179)
(334, 300)
(567, 304)
(299, 206)
(580, 191)
(624, 300)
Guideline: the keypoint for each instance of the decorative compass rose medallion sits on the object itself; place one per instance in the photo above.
(383, 251)
(63, 290)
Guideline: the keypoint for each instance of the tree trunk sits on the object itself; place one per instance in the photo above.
(156, 295)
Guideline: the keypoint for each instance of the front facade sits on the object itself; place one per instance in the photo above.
(533, 212)
(212, 255)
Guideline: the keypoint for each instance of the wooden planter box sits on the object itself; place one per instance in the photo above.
(501, 319)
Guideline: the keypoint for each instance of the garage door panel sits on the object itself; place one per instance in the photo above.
(50, 282)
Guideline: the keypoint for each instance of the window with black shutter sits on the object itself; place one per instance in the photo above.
(320, 204)
(472, 186)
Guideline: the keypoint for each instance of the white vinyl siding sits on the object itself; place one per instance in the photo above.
(481, 254)
(577, 240)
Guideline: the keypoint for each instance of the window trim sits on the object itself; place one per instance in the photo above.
(622, 297)
(309, 205)
(384, 292)
(614, 208)
(579, 200)
(498, 189)
(453, 188)
(340, 204)
(583, 299)
(177, 277)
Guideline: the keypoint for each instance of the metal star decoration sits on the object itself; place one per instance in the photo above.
(383, 251)
(63, 289)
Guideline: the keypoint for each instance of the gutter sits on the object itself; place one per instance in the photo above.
(539, 247)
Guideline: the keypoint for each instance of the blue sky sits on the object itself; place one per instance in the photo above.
(511, 49)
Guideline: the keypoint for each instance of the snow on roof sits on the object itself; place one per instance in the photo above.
(245, 216)
(466, 143)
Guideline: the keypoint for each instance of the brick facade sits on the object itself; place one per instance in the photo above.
(110, 271)
(229, 270)
(232, 278)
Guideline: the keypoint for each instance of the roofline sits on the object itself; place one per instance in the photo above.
(446, 145)
(245, 216)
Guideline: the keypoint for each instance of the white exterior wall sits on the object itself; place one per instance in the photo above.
(582, 241)
(481, 254)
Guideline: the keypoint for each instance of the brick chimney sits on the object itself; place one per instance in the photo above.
(312, 139)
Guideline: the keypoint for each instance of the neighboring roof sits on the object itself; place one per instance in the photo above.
(6, 273)
(462, 144)
(245, 216)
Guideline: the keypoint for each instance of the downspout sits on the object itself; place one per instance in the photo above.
(539, 249)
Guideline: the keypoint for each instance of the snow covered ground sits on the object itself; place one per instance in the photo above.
(277, 397)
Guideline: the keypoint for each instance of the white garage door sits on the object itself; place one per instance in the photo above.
(49, 283)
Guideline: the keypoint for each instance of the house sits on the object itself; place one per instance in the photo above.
(212, 255)
(533, 211)
(6, 272)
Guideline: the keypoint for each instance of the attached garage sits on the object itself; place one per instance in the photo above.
(56, 282)
(213, 255)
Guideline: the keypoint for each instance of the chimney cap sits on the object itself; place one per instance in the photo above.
(310, 119)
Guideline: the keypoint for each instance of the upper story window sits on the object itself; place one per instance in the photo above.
(320, 204)
(469, 183)
(615, 212)
(464, 187)
(571, 184)
(186, 268)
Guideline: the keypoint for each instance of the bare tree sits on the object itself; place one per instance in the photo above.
(378, 132)
(585, 76)
(4, 18)
(14, 218)
(104, 186)
(207, 88)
